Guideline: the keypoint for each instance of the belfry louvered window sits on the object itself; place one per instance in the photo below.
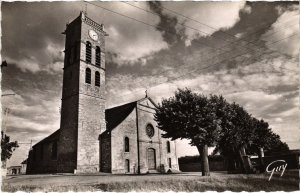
(88, 52)
(98, 56)
(97, 78)
(88, 75)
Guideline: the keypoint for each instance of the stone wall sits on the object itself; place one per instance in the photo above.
(146, 116)
(91, 115)
(68, 138)
(105, 151)
(67, 151)
(118, 155)
(40, 158)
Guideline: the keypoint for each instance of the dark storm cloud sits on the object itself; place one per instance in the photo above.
(217, 48)
(29, 84)
(36, 30)
(230, 50)
(265, 12)
(167, 24)
(216, 51)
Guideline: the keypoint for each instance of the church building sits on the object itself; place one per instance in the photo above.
(119, 140)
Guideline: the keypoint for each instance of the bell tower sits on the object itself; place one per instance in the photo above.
(83, 96)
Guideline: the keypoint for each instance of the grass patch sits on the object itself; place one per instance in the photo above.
(163, 183)
(48, 188)
(236, 184)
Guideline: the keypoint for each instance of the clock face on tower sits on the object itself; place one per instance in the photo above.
(93, 35)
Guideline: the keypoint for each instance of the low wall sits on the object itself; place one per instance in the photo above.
(193, 163)
(196, 167)
(292, 160)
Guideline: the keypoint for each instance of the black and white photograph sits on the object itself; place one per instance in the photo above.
(143, 96)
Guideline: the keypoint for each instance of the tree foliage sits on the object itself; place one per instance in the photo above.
(265, 138)
(212, 121)
(246, 134)
(188, 115)
(191, 116)
(7, 147)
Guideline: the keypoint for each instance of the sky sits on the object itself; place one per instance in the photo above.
(246, 51)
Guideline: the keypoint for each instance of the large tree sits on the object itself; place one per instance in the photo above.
(265, 140)
(234, 139)
(7, 148)
(191, 116)
(212, 121)
(246, 133)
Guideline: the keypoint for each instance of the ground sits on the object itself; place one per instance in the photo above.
(155, 182)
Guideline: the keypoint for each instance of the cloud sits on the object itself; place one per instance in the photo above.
(134, 42)
(204, 16)
(247, 9)
(44, 52)
(288, 46)
(30, 64)
(31, 118)
(130, 51)
(266, 91)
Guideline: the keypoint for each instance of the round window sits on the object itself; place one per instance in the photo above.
(150, 130)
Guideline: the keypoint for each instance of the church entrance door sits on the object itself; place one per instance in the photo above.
(151, 159)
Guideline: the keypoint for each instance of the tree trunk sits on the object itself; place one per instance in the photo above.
(241, 161)
(261, 159)
(203, 150)
(230, 165)
(246, 163)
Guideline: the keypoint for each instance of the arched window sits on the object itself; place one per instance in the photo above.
(127, 166)
(170, 162)
(97, 78)
(168, 147)
(88, 75)
(88, 52)
(126, 144)
(98, 56)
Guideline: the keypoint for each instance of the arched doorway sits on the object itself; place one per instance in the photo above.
(151, 159)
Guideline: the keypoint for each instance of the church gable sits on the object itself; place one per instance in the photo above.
(116, 115)
(147, 103)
